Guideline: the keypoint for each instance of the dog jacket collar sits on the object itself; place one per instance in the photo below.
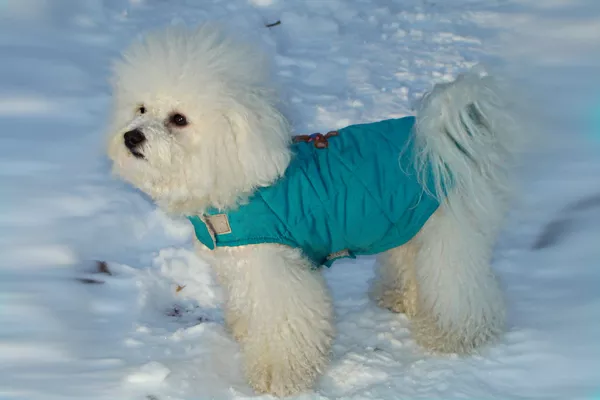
(350, 192)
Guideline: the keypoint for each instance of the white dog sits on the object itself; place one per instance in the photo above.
(196, 126)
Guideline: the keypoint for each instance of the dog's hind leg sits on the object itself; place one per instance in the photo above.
(460, 304)
(395, 285)
(466, 139)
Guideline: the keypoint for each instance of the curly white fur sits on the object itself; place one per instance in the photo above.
(237, 140)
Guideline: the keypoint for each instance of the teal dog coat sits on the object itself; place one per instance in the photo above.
(351, 192)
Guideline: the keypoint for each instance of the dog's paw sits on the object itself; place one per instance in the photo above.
(394, 299)
(288, 361)
(387, 298)
(281, 375)
(465, 339)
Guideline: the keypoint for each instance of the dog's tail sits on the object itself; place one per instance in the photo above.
(465, 138)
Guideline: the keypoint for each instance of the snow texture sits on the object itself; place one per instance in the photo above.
(149, 325)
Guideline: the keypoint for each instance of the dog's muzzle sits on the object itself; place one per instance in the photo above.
(133, 139)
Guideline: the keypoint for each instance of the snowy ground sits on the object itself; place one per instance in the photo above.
(69, 333)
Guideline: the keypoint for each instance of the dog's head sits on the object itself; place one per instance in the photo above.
(195, 120)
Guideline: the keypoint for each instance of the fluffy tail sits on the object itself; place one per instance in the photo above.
(466, 138)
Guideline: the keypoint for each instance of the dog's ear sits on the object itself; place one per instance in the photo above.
(262, 136)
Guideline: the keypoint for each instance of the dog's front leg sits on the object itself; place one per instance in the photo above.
(285, 314)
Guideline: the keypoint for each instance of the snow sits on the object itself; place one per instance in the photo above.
(152, 328)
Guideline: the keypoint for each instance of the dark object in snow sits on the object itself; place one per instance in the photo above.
(585, 204)
(175, 311)
(151, 397)
(103, 268)
(187, 315)
(558, 227)
(551, 233)
(273, 24)
(90, 281)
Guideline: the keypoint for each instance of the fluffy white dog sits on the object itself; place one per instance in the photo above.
(196, 126)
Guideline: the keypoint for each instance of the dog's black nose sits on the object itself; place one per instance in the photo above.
(134, 138)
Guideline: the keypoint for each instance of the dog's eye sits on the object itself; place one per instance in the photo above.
(141, 110)
(178, 119)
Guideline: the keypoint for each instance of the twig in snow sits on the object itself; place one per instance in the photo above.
(90, 281)
(273, 24)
